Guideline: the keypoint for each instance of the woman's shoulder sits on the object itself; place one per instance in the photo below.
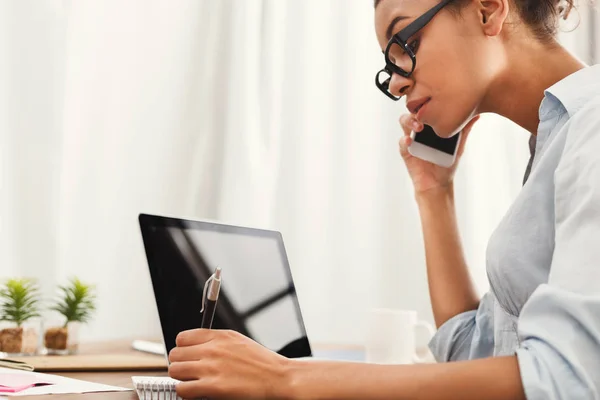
(577, 176)
(578, 93)
(583, 132)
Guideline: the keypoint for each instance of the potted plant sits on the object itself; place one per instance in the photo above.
(19, 303)
(76, 304)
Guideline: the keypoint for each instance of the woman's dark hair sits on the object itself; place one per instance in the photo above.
(541, 16)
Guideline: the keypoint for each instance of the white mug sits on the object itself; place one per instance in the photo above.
(391, 336)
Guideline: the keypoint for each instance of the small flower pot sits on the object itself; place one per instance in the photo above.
(20, 341)
(61, 340)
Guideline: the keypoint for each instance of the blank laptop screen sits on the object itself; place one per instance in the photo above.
(257, 297)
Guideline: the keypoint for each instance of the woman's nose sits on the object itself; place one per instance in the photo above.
(399, 85)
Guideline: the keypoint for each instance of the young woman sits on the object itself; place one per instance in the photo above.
(536, 334)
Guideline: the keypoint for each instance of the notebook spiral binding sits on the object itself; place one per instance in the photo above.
(153, 390)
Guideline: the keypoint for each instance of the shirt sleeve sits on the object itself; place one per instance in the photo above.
(466, 336)
(559, 326)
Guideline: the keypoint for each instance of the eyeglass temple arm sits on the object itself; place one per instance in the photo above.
(420, 22)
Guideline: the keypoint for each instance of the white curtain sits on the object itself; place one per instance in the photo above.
(255, 112)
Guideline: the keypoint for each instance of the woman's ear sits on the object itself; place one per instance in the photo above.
(493, 14)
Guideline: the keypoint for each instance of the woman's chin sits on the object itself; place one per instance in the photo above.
(447, 130)
(443, 131)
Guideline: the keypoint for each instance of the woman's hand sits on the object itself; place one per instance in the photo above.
(226, 364)
(425, 175)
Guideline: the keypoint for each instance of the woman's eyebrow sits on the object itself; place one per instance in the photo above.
(388, 32)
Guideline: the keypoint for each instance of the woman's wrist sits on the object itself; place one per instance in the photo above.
(435, 195)
(307, 379)
(289, 387)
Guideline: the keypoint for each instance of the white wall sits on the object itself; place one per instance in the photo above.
(32, 48)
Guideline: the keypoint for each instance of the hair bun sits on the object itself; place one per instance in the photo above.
(564, 8)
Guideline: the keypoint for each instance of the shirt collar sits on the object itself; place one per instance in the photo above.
(573, 91)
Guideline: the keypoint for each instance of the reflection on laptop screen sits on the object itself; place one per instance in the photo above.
(257, 297)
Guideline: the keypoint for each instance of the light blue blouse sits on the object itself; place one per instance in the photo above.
(543, 260)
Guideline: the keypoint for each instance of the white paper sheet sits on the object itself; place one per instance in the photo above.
(61, 385)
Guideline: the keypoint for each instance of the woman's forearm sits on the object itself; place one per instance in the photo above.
(489, 379)
(450, 287)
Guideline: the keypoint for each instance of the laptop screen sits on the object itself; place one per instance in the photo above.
(257, 297)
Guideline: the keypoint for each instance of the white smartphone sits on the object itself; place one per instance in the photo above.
(428, 146)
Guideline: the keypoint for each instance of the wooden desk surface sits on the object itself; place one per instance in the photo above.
(122, 379)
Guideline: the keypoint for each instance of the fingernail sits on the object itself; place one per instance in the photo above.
(416, 125)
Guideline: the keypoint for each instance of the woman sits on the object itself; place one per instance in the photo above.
(536, 334)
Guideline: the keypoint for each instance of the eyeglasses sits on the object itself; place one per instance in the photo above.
(400, 55)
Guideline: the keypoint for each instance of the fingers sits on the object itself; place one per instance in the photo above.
(403, 144)
(194, 389)
(205, 371)
(191, 344)
(205, 387)
(409, 123)
(194, 336)
(188, 353)
(189, 390)
(185, 370)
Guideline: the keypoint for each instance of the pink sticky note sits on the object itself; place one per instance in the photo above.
(13, 383)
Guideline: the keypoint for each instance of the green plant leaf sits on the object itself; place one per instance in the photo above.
(77, 301)
(19, 300)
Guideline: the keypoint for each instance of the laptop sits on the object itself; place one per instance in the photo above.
(257, 297)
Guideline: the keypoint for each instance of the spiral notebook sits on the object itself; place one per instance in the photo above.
(155, 388)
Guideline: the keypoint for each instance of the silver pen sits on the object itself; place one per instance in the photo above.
(210, 296)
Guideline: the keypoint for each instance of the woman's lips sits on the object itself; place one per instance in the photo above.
(414, 106)
(422, 109)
